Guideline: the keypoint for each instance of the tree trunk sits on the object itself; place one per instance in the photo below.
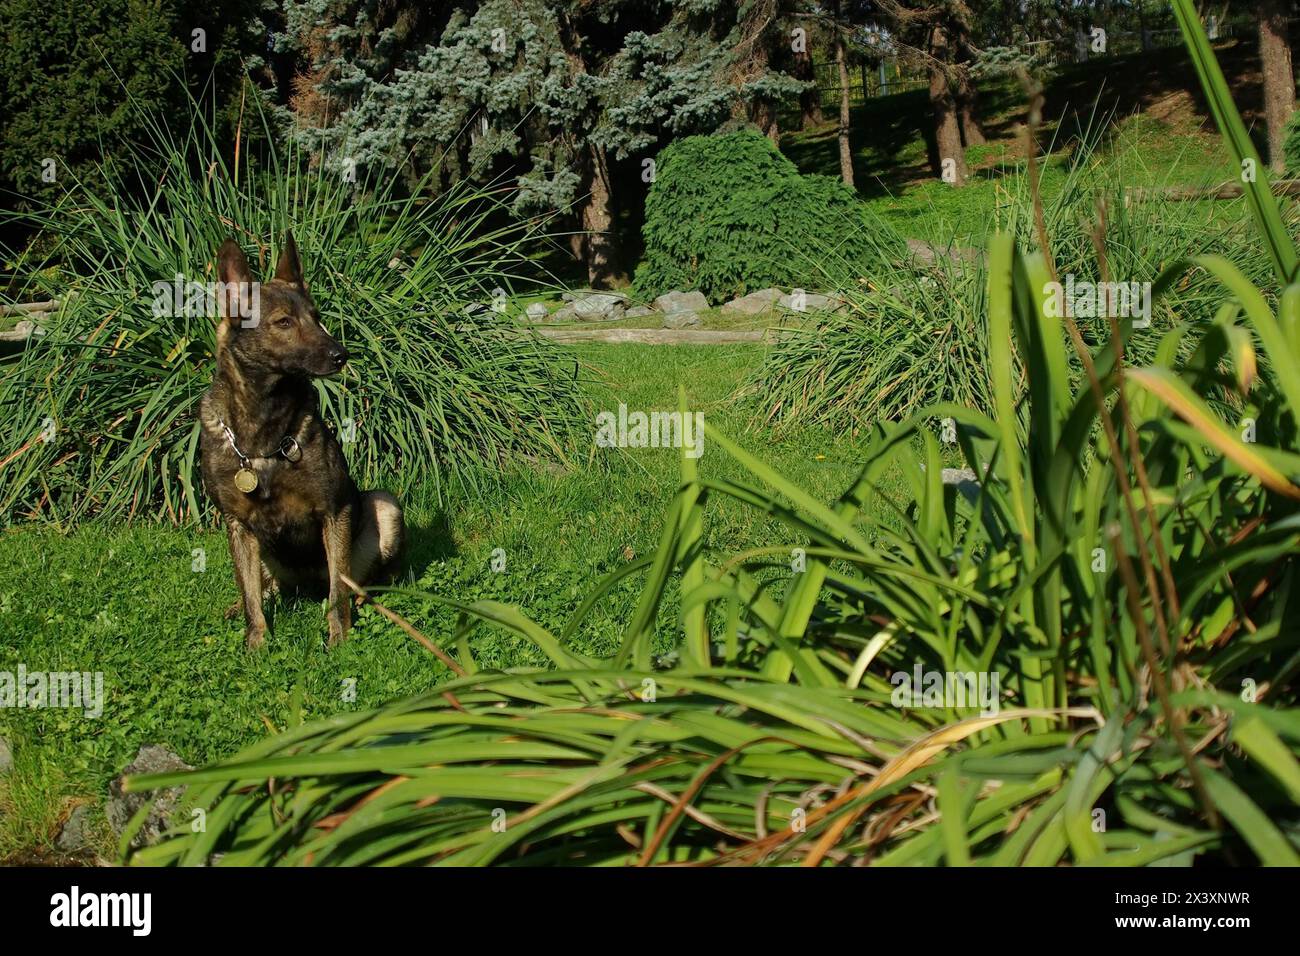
(968, 110)
(596, 244)
(762, 111)
(1279, 81)
(949, 154)
(762, 114)
(810, 100)
(972, 133)
(846, 153)
(599, 240)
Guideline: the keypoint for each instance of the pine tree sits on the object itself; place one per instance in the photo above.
(551, 93)
(79, 79)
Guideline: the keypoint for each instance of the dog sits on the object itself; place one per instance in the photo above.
(294, 518)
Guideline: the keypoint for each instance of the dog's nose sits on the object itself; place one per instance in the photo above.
(339, 356)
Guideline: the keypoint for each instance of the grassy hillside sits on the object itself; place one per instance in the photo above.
(1146, 104)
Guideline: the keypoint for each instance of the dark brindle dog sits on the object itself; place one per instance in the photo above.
(293, 516)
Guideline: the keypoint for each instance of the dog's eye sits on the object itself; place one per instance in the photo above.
(283, 322)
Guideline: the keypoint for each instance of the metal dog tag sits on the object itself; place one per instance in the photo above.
(246, 480)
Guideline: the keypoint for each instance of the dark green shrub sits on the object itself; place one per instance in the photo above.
(729, 214)
(74, 75)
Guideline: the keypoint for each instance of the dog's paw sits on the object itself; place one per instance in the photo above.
(338, 629)
(255, 638)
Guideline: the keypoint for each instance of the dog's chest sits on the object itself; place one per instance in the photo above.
(280, 506)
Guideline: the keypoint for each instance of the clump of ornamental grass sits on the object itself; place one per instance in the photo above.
(99, 411)
(912, 333)
(905, 338)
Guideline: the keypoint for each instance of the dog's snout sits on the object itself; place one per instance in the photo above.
(338, 356)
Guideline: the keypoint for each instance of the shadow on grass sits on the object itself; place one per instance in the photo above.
(427, 540)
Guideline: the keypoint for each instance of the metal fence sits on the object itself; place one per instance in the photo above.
(866, 81)
(869, 79)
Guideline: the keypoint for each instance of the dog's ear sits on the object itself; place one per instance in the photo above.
(289, 268)
(236, 279)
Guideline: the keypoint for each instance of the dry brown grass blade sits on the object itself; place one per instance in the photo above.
(909, 759)
(410, 629)
(1168, 391)
(919, 753)
(652, 846)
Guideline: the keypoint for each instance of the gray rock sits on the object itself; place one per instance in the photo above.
(75, 834)
(755, 303)
(964, 480)
(122, 807)
(800, 301)
(639, 311)
(537, 312)
(923, 253)
(680, 320)
(599, 307)
(675, 301)
(573, 295)
(6, 756)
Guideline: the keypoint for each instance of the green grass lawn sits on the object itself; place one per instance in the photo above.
(712, 319)
(128, 601)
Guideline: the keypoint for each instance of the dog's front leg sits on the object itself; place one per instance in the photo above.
(246, 554)
(338, 554)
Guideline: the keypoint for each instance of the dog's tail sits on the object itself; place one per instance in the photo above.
(381, 537)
